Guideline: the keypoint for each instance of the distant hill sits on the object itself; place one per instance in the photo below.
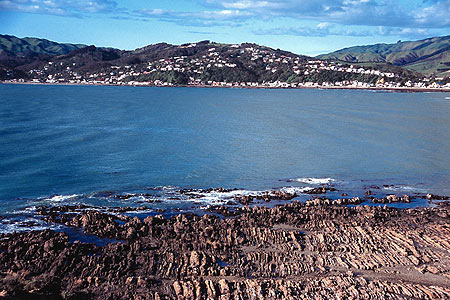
(200, 63)
(16, 51)
(22, 47)
(429, 56)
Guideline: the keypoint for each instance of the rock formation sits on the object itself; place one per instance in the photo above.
(318, 250)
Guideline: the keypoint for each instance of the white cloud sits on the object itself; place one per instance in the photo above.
(201, 18)
(408, 32)
(247, 4)
(320, 30)
(399, 17)
(432, 14)
(59, 7)
(436, 15)
(323, 25)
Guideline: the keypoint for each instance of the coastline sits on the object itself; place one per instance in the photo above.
(249, 245)
(296, 250)
(387, 89)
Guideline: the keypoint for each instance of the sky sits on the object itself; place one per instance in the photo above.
(308, 27)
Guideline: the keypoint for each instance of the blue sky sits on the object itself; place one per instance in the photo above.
(308, 27)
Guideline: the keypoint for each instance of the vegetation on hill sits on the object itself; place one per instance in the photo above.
(429, 56)
(202, 63)
(22, 47)
(16, 51)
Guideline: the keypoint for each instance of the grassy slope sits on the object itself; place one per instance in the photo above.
(33, 46)
(429, 56)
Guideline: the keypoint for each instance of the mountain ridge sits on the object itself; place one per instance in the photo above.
(430, 56)
(29, 46)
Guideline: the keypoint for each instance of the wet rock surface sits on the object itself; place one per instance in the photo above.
(265, 196)
(321, 249)
(392, 199)
(436, 197)
(320, 190)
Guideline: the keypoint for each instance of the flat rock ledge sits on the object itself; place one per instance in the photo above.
(292, 251)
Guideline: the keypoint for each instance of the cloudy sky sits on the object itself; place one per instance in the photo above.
(302, 26)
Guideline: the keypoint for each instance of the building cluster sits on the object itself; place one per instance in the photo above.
(319, 65)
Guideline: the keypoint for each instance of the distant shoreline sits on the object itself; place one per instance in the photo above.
(388, 89)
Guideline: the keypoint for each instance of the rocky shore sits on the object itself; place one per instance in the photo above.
(321, 249)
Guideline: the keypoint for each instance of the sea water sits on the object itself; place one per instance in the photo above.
(87, 144)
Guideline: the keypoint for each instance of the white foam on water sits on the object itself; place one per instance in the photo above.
(138, 212)
(21, 226)
(220, 197)
(21, 211)
(405, 188)
(447, 98)
(28, 209)
(313, 180)
(216, 196)
(169, 188)
(296, 190)
(132, 197)
(60, 198)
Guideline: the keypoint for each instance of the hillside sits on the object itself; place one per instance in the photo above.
(22, 47)
(16, 51)
(174, 64)
(201, 63)
(429, 56)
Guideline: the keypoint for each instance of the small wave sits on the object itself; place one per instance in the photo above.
(168, 189)
(447, 98)
(139, 212)
(24, 224)
(404, 188)
(313, 180)
(296, 190)
(222, 197)
(162, 188)
(59, 198)
(217, 196)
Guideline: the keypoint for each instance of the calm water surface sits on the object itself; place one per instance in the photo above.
(75, 141)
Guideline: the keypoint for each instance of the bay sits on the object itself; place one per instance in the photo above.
(75, 141)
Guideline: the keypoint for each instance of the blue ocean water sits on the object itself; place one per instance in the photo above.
(63, 144)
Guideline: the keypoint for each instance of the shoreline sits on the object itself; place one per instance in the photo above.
(386, 89)
(219, 201)
(296, 250)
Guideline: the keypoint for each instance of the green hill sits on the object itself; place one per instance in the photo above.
(15, 52)
(22, 47)
(429, 56)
